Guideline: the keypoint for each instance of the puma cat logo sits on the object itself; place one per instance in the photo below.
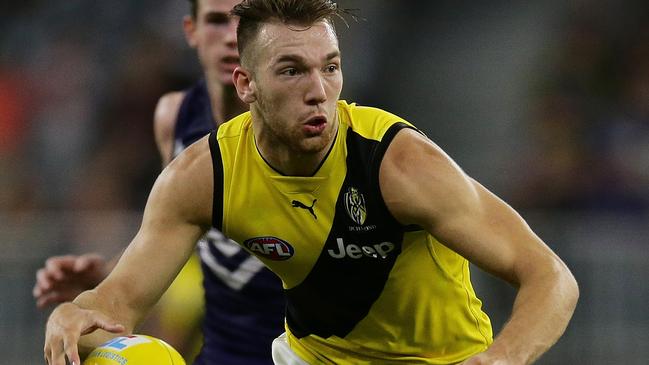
(299, 204)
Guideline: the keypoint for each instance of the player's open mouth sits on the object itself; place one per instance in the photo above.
(315, 125)
(231, 59)
(230, 62)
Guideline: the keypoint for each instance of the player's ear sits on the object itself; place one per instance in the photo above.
(189, 26)
(245, 85)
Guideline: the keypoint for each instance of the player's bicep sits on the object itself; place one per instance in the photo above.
(490, 234)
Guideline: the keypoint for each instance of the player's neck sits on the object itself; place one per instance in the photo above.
(224, 101)
(286, 159)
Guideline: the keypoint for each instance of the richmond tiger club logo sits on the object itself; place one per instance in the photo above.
(269, 247)
(355, 205)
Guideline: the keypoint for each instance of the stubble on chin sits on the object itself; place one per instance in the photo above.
(320, 143)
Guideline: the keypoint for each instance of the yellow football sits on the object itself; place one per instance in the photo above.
(134, 350)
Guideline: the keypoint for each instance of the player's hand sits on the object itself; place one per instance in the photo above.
(64, 277)
(66, 324)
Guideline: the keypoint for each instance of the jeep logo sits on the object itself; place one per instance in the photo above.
(271, 248)
(379, 250)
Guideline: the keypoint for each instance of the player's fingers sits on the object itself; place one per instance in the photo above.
(55, 266)
(43, 280)
(45, 284)
(48, 299)
(71, 349)
(47, 347)
(37, 290)
(55, 355)
(47, 354)
(105, 323)
(85, 262)
(62, 331)
(42, 302)
(93, 320)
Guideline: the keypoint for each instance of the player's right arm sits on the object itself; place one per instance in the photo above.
(178, 212)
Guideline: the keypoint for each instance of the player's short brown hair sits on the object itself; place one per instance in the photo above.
(254, 13)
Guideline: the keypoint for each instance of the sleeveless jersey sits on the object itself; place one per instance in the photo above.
(244, 303)
(360, 287)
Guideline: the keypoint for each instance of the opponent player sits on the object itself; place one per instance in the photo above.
(368, 223)
(245, 304)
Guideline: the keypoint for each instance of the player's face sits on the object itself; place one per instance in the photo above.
(297, 80)
(214, 35)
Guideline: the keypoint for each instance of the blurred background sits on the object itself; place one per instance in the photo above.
(546, 102)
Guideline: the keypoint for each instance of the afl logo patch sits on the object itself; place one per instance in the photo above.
(355, 205)
(271, 248)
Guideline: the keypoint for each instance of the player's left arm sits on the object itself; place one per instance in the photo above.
(422, 185)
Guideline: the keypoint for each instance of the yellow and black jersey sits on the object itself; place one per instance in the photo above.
(360, 287)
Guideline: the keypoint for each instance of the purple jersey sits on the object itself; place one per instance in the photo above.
(244, 300)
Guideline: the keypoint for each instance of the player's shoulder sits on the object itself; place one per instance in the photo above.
(189, 176)
(235, 127)
(166, 110)
(193, 157)
(369, 122)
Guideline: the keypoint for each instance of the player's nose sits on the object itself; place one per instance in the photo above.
(316, 92)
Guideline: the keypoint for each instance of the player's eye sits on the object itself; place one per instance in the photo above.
(332, 68)
(217, 18)
(290, 71)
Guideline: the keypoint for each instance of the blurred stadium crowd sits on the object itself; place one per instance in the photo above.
(79, 81)
(77, 93)
(589, 125)
(77, 101)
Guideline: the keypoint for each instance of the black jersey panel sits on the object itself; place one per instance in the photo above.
(360, 251)
(217, 167)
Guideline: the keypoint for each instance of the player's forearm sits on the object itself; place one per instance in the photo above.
(110, 265)
(542, 310)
